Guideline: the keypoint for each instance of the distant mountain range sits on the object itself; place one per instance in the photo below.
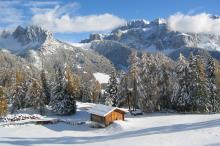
(154, 36)
(103, 52)
(38, 47)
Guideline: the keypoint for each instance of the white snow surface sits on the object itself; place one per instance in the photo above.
(102, 78)
(84, 46)
(157, 129)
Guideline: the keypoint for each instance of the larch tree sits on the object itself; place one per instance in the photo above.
(45, 87)
(3, 103)
(133, 75)
(35, 96)
(96, 91)
(20, 89)
(200, 96)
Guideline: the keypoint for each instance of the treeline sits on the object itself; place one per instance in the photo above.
(156, 83)
(59, 91)
(153, 82)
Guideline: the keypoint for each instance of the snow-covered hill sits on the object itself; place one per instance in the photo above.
(153, 36)
(39, 47)
(158, 129)
(156, 35)
(31, 37)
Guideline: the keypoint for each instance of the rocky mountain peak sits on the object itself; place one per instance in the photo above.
(31, 34)
(158, 21)
(139, 23)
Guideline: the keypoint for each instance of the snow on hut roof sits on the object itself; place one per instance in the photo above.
(102, 110)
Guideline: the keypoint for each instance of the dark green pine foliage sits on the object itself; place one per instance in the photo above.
(183, 98)
(165, 90)
(62, 102)
(199, 93)
(112, 91)
(214, 100)
(46, 87)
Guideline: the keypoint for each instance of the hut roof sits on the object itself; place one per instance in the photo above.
(102, 110)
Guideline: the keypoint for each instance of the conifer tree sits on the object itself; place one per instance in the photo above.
(35, 96)
(3, 103)
(133, 75)
(86, 93)
(147, 84)
(63, 101)
(96, 91)
(183, 99)
(199, 95)
(212, 89)
(164, 89)
(112, 91)
(46, 87)
(20, 88)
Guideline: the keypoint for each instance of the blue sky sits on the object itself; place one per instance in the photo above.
(73, 20)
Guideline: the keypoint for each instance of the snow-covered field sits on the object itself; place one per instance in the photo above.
(150, 129)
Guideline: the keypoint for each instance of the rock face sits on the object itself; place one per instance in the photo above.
(31, 34)
(144, 35)
(151, 36)
(40, 48)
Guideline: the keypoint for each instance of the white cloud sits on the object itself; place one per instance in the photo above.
(60, 19)
(36, 10)
(199, 23)
(10, 15)
(42, 3)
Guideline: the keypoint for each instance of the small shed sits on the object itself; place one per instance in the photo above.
(105, 115)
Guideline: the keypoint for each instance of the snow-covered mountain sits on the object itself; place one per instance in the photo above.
(156, 35)
(39, 47)
(153, 36)
(31, 37)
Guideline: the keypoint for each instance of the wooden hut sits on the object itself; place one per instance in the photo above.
(105, 115)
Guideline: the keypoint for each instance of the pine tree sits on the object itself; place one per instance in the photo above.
(112, 90)
(86, 93)
(72, 83)
(96, 91)
(63, 101)
(199, 94)
(165, 89)
(46, 87)
(183, 97)
(72, 88)
(133, 75)
(3, 103)
(124, 91)
(35, 96)
(212, 89)
(147, 84)
(20, 88)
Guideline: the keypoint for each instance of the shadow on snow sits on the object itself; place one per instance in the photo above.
(126, 134)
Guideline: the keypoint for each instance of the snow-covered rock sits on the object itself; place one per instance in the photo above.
(39, 47)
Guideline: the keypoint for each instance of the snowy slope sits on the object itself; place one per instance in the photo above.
(151, 129)
(39, 47)
(102, 78)
(157, 36)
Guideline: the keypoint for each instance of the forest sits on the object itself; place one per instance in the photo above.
(152, 83)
